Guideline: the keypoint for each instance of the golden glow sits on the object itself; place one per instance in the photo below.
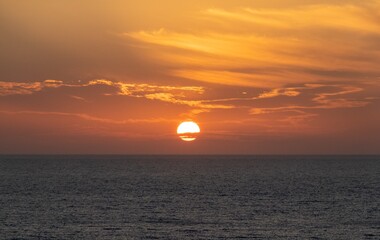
(188, 131)
(264, 76)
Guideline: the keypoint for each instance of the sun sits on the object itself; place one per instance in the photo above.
(188, 131)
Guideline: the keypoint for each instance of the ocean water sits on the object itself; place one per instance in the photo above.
(189, 197)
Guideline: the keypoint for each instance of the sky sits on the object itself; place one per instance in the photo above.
(259, 77)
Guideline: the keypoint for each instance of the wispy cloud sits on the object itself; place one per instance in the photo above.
(139, 89)
(11, 88)
(87, 117)
(274, 47)
(356, 17)
(181, 95)
(318, 55)
(321, 100)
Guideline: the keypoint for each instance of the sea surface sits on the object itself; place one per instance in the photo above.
(189, 197)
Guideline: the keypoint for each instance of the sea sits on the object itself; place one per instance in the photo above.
(189, 197)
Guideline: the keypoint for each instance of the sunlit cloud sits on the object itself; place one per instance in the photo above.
(171, 94)
(290, 92)
(128, 89)
(349, 16)
(318, 55)
(11, 88)
(321, 100)
(274, 47)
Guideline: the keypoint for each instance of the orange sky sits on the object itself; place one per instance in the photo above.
(260, 77)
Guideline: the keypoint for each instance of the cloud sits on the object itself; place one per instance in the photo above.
(168, 97)
(321, 100)
(272, 48)
(181, 95)
(139, 90)
(290, 92)
(304, 59)
(87, 117)
(128, 89)
(11, 88)
(170, 94)
(353, 17)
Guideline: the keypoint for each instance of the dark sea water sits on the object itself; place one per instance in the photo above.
(189, 197)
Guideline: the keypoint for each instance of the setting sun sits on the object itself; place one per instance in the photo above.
(188, 131)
